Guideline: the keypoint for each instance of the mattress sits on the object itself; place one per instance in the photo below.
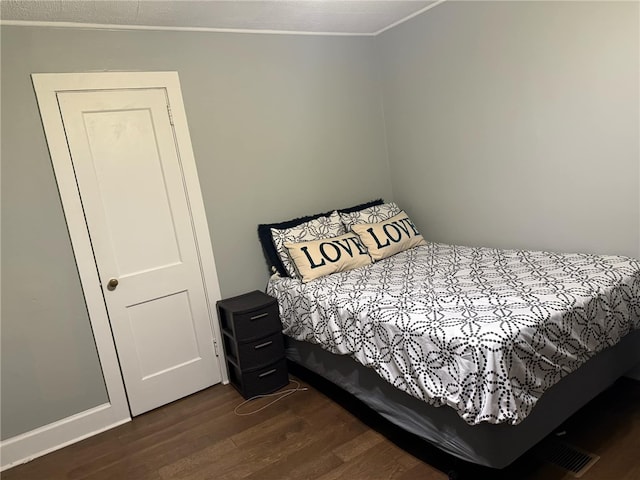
(483, 331)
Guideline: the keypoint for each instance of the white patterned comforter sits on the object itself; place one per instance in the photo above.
(485, 331)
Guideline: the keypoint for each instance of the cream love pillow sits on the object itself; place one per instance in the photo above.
(317, 258)
(315, 229)
(389, 237)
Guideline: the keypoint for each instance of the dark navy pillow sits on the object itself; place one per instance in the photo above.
(268, 247)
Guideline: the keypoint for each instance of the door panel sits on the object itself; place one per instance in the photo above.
(132, 186)
(124, 141)
(148, 334)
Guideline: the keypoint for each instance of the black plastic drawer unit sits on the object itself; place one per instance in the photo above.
(253, 343)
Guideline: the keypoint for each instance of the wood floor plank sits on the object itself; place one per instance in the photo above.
(275, 429)
(205, 459)
(381, 460)
(360, 444)
(422, 471)
(314, 455)
(307, 436)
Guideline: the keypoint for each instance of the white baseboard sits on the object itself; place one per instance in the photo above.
(634, 373)
(27, 446)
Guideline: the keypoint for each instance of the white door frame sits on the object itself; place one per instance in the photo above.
(116, 411)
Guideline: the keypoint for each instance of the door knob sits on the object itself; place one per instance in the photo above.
(113, 283)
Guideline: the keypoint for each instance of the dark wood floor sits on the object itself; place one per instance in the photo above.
(310, 436)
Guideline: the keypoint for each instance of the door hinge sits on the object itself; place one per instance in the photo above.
(170, 114)
(215, 348)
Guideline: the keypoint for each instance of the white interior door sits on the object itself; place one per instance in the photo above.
(134, 196)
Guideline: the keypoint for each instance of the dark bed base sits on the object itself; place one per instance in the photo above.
(493, 446)
(455, 468)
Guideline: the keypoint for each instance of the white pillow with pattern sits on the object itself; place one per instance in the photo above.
(316, 229)
(375, 214)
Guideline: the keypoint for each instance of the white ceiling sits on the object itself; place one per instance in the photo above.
(357, 17)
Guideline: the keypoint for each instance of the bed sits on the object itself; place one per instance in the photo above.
(482, 352)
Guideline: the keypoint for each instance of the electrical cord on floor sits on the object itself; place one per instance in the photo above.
(279, 396)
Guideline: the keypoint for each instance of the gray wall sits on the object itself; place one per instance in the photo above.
(515, 124)
(281, 126)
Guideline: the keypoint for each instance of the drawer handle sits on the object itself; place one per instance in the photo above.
(267, 373)
(262, 345)
(258, 317)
